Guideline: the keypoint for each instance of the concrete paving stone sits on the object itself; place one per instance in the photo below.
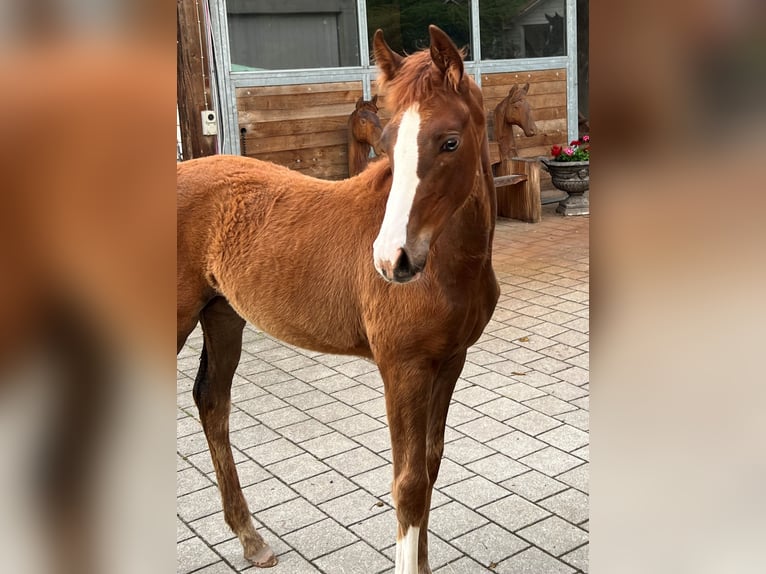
(357, 424)
(250, 368)
(334, 360)
(356, 367)
(561, 351)
(378, 480)
(510, 369)
(558, 317)
(182, 531)
(585, 347)
(571, 505)
(511, 334)
(281, 417)
(313, 373)
(358, 558)
(495, 345)
(328, 445)
(212, 529)
(533, 485)
(533, 310)
(471, 370)
(577, 477)
(533, 561)
(547, 328)
(459, 414)
(554, 535)
(274, 451)
(324, 487)
(357, 394)
(484, 429)
(289, 388)
(548, 365)
(523, 321)
(463, 566)
(297, 468)
(490, 544)
(504, 315)
(249, 472)
(520, 392)
(571, 338)
(516, 445)
(217, 568)
(465, 450)
(533, 422)
(309, 400)
(353, 507)
(289, 563)
(248, 390)
(482, 358)
(473, 396)
(190, 480)
(239, 420)
(299, 432)
(490, 380)
(320, 538)
(332, 411)
(585, 525)
(570, 306)
(252, 436)
(583, 453)
(500, 409)
(522, 356)
(549, 405)
(582, 361)
(375, 408)
(191, 444)
(579, 419)
(536, 378)
(451, 472)
(266, 494)
(261, 404)
(535, 342)
(378, 530)
(578, 558)
(333, 384)
(355, 461)
(551, 461)
(192, 555)
(574, 375)
(565, 437)
(475, 491)
(199, 503)
(277, 354)
(299, 361)
(373, 379)
(579, 324)
(291, 516)
(454, 519)
(187, 425)
(497, 467)
(513, 512)
(565, 391)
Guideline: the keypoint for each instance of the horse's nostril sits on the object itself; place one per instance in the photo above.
(403, 268)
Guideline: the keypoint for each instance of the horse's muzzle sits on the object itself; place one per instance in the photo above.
(403, 270)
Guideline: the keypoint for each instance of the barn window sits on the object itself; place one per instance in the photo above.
(522, 28)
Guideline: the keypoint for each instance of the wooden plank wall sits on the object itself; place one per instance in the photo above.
(303, 127)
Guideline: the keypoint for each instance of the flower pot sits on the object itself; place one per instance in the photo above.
(574, 178)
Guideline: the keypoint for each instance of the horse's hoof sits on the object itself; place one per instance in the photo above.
(264, 558)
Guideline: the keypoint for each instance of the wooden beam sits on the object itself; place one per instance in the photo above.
(191, 73)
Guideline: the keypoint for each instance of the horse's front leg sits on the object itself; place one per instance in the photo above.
(441, 394)
(408, 388)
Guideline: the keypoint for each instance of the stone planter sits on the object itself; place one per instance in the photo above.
(574, 178)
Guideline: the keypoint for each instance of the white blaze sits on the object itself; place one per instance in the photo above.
(407, 552)
(393, 231)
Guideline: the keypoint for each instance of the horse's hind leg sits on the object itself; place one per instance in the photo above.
(222, 329)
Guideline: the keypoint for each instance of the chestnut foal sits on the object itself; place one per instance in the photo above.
(394, 265)
(364, 132)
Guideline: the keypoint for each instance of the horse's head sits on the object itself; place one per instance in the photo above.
(517, 111)
(364, 123)
(435, 141)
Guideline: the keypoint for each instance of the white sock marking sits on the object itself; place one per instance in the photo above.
(407, 552)
(393, 231)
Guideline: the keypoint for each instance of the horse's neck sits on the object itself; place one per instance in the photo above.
(358, 153)
(508, 143)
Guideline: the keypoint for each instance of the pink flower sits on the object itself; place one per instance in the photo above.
(586, 138)
(568, 151)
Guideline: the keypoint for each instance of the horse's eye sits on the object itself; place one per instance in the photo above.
(451, 144)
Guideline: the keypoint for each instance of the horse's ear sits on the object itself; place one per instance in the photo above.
(550, 18)
(446, 56)
(387, 60)
(513, 90)
(375, 100)
(525, 88)
(359, 102)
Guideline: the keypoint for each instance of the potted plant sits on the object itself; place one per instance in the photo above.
(570, 172)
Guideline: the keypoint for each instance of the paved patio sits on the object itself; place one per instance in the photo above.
(310, 437)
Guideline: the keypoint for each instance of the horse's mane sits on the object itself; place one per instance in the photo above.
(417, 79)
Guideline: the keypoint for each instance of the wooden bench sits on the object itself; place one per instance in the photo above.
(518, 187)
